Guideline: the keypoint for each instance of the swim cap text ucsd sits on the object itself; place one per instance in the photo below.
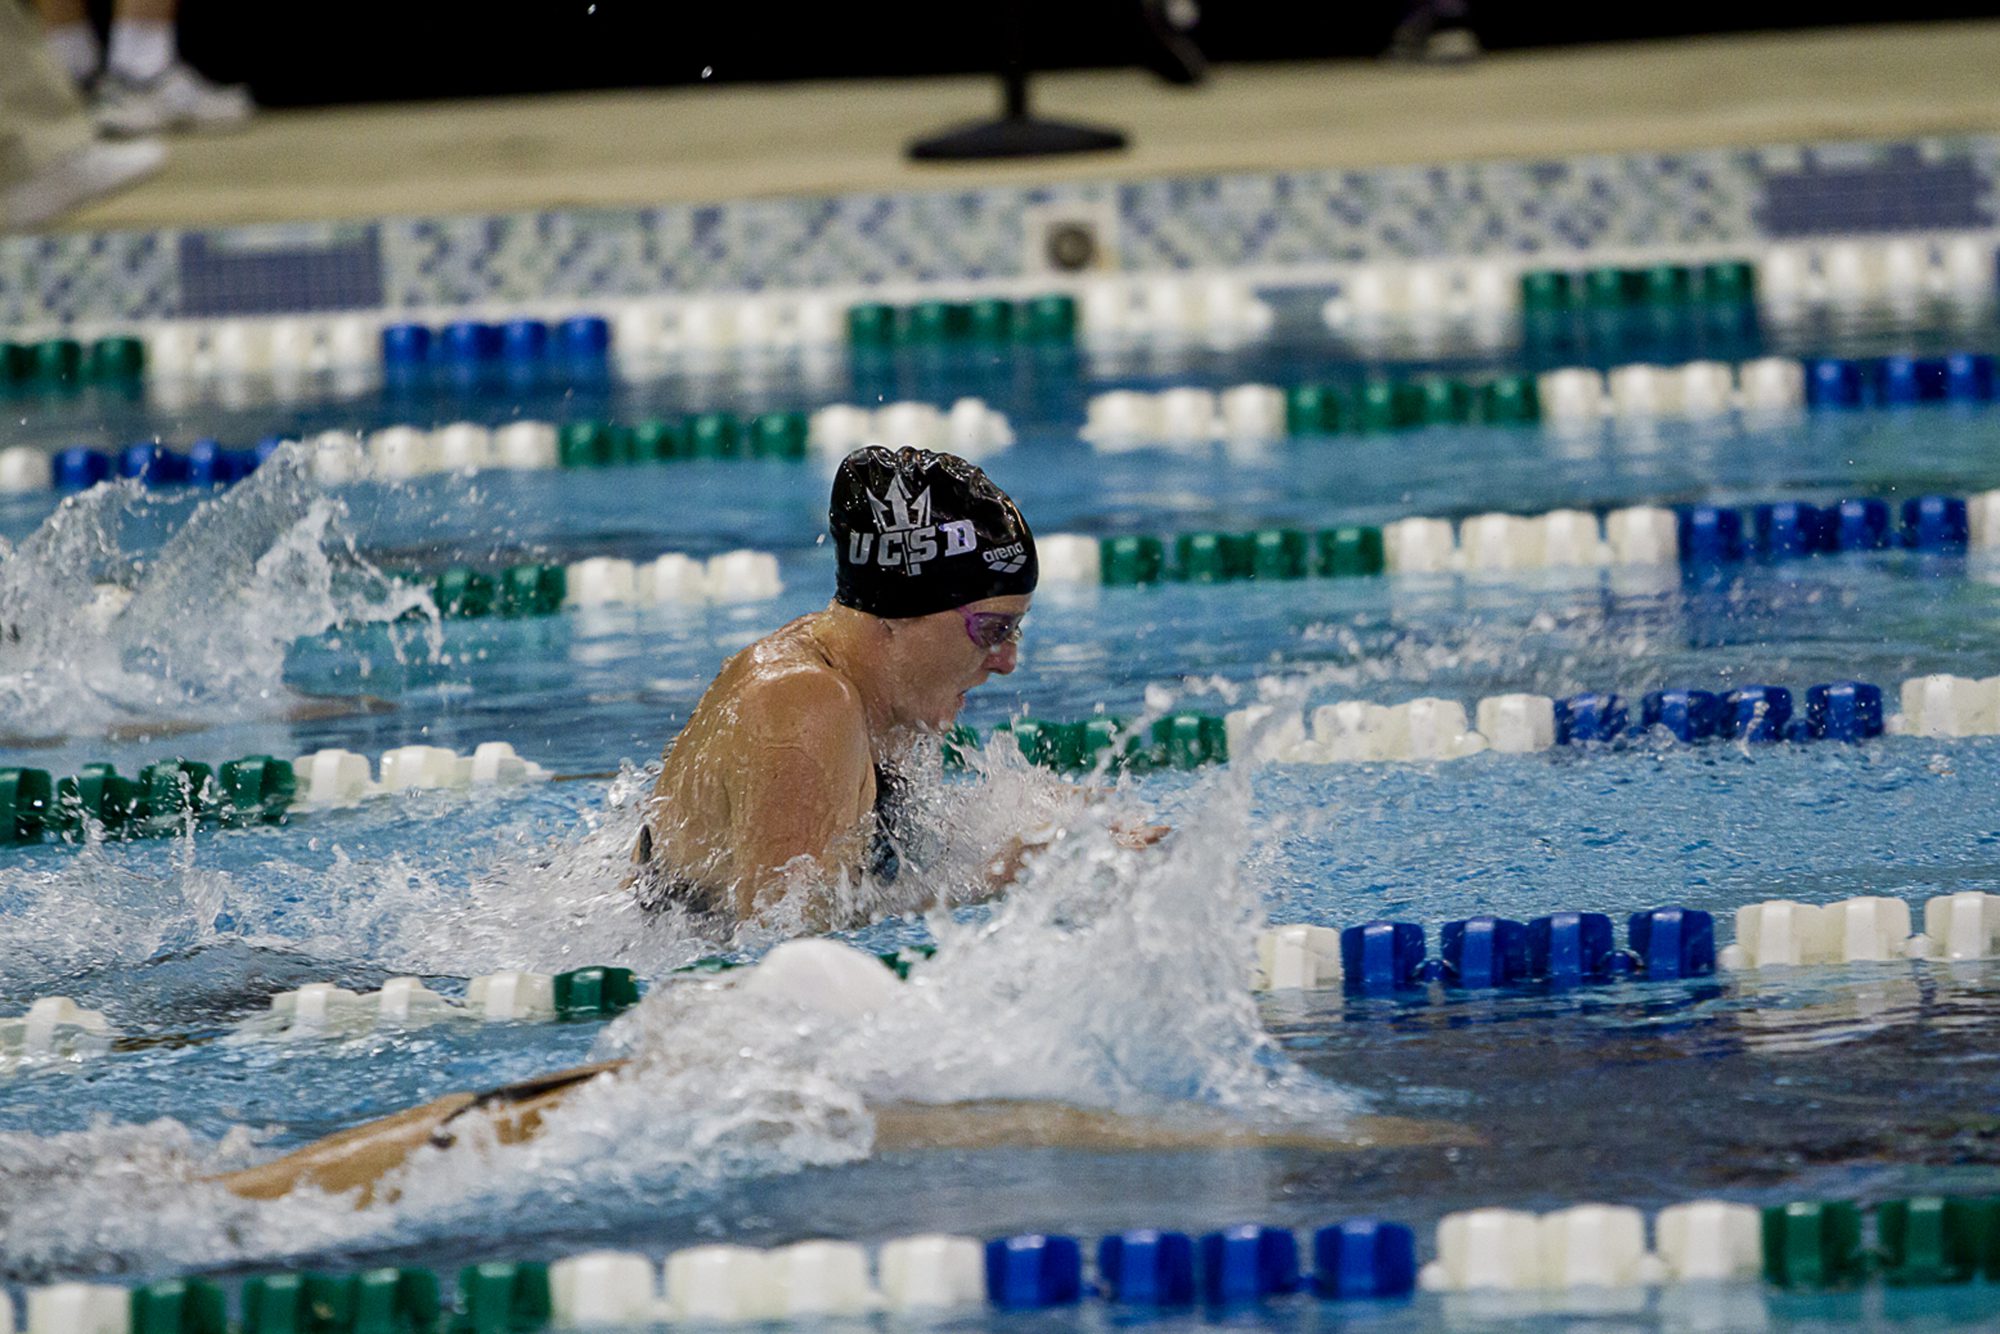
(916, 532)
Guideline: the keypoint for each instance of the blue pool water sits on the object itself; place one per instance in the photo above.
(1107, 979)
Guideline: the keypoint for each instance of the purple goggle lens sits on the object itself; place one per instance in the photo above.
(988, 630)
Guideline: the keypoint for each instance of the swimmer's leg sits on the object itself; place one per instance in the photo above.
(312, 708)
(1039, 1125)
(352, 1159)
(358, 1159)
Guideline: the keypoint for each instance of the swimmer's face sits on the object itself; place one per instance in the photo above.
(939, 660)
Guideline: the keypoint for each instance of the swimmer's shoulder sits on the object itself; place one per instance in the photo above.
(802, 696)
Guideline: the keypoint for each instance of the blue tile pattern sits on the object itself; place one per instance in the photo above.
(59, 279)
(1551, 208)
(275, 270)
(1899, 192)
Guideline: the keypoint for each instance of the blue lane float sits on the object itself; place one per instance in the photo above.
(79, 469)
(210, 464)
(467, 342)
(1481, 952)
(1381, 957)
(1904, 380)
(1710, 534)
(1672, 943)
(1969, 377)
(152, 464)
(1558, 950)
(1034, 1271)
(206, 463)
(1364, 1259)
(1248, 1263)
(585, 337)
(1861, 525)
(1147, 1268)
(1591, 716)
(1844, 711)
(406, 344)
(1834, 382)
(1690, 715)
(524, 340)
(581, 340)
(1757, 713)
(1935, 523)
(1835, 711)
(1898, 381)
(1791, 528)
(1571, 948)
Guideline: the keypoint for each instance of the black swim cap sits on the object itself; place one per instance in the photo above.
(916, 532)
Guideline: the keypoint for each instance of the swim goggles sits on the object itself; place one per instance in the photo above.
(988, 630)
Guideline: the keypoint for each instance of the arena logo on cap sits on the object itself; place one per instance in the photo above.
(1007, 559)
(908, 538)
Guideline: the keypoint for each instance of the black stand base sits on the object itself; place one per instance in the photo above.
(1015, 136)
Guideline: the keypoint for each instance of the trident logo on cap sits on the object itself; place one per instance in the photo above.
(908, 537)
(896, 512)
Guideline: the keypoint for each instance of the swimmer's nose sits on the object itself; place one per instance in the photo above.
(1004, 659)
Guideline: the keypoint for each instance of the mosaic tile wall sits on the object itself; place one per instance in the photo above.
(1271, 222)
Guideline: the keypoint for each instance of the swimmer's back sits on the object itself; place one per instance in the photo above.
(774, 763)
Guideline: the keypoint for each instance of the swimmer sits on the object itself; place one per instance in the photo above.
(787, 773)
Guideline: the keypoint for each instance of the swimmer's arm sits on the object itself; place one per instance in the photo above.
(804, 789)
(1005, 867)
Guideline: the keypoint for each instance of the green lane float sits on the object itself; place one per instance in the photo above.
(180, 1306)
(502, 1297)
(375, 1301)
(1558, 291)
(704, 435)
(596, 992)
(1813, 1244)
(164, 798)
(1211, 557)
(1177, 741)
(1132, 560)
(1934, 1239)
(985, 323)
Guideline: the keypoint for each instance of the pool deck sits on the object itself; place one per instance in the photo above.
(694, 144)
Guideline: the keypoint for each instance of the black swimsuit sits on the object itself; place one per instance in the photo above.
(658, 889)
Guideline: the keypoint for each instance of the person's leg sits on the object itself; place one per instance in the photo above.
(142, 38)
(146, 87)
(41, 117)
(72, 40)
(49, 159)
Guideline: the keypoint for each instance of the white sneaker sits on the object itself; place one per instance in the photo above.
(177, 98)
(97, 169)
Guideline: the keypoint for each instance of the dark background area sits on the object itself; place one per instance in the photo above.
(365, 50)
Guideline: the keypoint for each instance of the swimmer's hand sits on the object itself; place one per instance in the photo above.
(1006, 865)
(1138, 836)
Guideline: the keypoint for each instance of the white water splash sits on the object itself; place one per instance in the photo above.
(1108, 978)
(210, 616)
(520, 896)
